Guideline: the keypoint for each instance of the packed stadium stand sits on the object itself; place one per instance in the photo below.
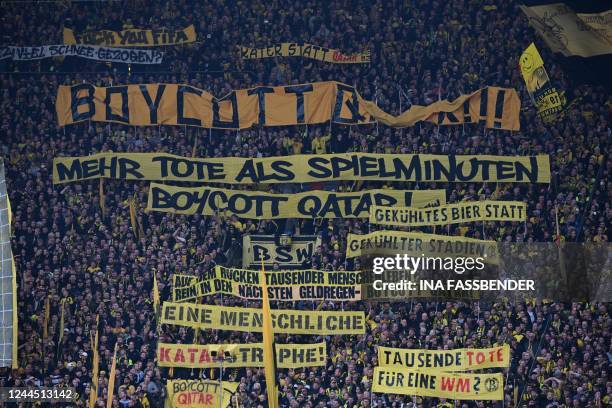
(88, 260)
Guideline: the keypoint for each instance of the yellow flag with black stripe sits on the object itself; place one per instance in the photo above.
(268, 343)
(547, 99)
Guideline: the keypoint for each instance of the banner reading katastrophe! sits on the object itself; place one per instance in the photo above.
(133, 37)
(261, 205)
(570, 33)
(92, 52)
(548, 101)
(449, 214)
(199, 394)
(463, 359)
(458, 386)
(251, 320)
(267, 249)
(239, 355)
(304, 168)
(305, 50)
(319, 102)
(282, 285)
(419, 244)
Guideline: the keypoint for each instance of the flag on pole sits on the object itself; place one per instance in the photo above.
(47, 317)
(268, 343)
(132, 201)
(61, 333)
(93, 392)
(101, 190)
(111, 380)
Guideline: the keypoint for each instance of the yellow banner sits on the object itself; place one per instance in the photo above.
(319, 102)
(419, 244)
(304, 168)
(449, 213)
(463, 359)
(134, 37)
(261, 205)
(269, 250)
(239, 355)
(251, 320)
(282, 285)
(199, 393)
(548, 101)
(570, 33)
(305, 50)
(458, 386)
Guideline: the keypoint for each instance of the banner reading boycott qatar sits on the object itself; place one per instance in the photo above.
(199, 393)
(318, 102)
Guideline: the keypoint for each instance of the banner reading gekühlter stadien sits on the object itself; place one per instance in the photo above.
(319, 102)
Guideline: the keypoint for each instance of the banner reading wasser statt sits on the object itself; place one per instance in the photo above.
(133, 37)
(319, 102)
(92, 52)
(251, 320)
(449, 214)
(304, 168)
(255, 204)
(239, 355)
(305, 50)
(457, 386)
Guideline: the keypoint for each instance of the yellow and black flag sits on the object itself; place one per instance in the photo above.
(548, 101)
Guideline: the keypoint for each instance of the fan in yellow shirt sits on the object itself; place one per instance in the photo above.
(319, 143)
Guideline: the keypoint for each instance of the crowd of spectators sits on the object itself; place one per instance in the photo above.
(91, 262)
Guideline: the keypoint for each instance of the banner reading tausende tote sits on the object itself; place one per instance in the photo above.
(199, 393)
(239, 355)
(459, 386)
(463, 359)
(572, 34)
(134, 37)
(319, 102)
(92, 52)
(256, 204)
(449, 214)
(251, 320)
(419, 244)
(547, 99)
(305, 50)
(304, 168)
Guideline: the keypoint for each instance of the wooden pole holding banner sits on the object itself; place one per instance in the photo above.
(268, 343)
(111, 380)
(93, 391)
